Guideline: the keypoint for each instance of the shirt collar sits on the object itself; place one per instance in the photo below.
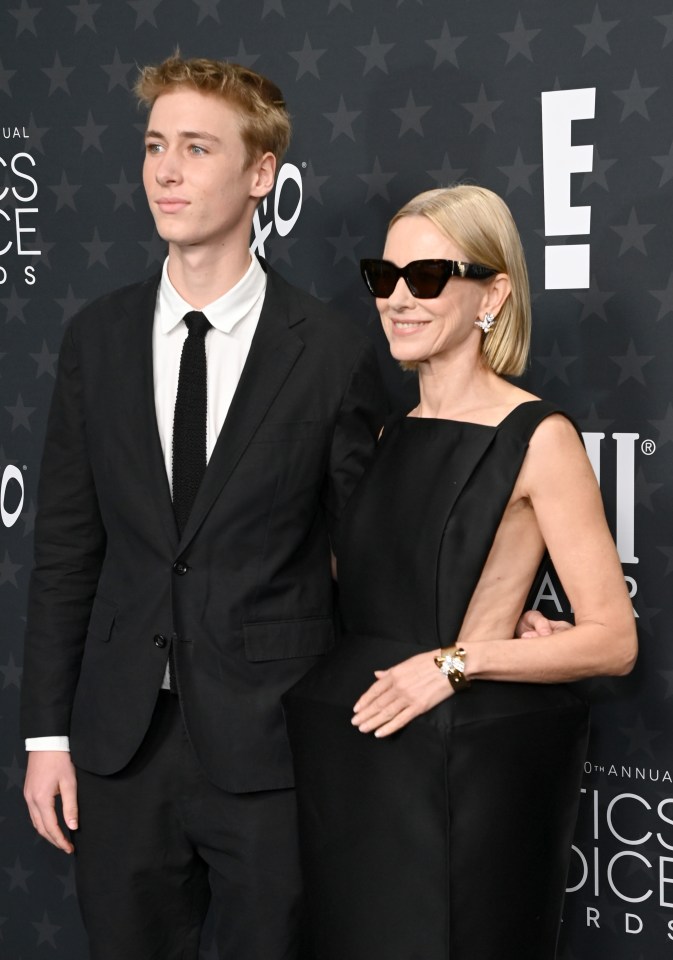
(225, 312)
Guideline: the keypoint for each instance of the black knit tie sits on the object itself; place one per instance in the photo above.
(189, 422)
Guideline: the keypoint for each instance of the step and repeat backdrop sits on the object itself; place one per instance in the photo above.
(563, 109)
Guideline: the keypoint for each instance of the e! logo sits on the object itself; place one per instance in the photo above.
(567, 267)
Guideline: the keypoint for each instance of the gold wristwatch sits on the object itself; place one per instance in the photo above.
(451, 662)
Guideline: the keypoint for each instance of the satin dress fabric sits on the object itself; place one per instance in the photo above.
(451, 839)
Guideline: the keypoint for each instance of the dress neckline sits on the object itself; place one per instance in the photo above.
(473, 423)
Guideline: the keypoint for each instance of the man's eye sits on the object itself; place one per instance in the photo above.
(196, 149)
(153, 147)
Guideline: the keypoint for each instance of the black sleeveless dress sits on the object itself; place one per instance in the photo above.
(451, 839)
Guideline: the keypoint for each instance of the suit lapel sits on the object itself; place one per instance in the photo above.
(273, 353)
(136, 322)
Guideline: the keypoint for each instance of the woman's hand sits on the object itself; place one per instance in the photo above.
(400, 694)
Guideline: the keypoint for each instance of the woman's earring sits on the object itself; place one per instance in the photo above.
(486, 323)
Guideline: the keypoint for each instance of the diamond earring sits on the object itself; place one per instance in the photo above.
(486, 323)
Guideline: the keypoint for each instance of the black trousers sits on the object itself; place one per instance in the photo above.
(157, 841)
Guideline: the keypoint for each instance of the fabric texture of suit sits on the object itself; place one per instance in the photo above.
(245, 595)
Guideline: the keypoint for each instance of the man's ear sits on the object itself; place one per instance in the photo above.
(264, 170)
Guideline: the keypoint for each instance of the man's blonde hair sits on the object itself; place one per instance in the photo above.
(480, 223)
(265, 122)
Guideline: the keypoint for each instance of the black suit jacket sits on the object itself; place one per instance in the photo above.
(245, 595)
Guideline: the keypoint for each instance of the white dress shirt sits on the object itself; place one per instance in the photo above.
(234, 317)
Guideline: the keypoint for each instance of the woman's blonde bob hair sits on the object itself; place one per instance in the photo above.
(480, 223)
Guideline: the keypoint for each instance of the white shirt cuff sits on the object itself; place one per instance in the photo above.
(48, 743)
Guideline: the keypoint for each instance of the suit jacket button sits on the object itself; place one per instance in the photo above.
(160, 641)
(180, 567)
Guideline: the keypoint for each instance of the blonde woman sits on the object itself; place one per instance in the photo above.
(438, 757)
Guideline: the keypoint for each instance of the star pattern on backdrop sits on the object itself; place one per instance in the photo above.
(633, 234)
(375, 54)
(342, 120)
(596, 32)
(665, 161)
(410, 116)
(631, 364)
(519, 40)
(307, 59)
(383, 105)
(445, 47)
(482, 110)
(635, 98)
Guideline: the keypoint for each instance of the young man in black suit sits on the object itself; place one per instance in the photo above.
(172, 603)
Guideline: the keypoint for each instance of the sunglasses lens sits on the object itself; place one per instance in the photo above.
(380, 277)
(427, 278)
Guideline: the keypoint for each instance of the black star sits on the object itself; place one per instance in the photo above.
(410, 116)
(333, 4)
(447, 175)
(666, 164)
(15, 775)
(11, 673)
(307, 59)
(377, 182)
(144, 11)
(631, 365)
(117, 72)
(18, 876)
(14, 305)
(84, 12)
(276, 5)
(28, 517)
(45, 931)
(68, 881)
(311, 183)
(519, 173)
(667, 21)
(35, 134)
(445, 47)
(20, 414)
(668, 553)
(633, 234)
(342, 120)
(344, 245)
(280, 249)
(97, 249)
(518, 40)
(593, 300)
(45, 360)
(91, 134)
(597, 174)
(375, 53)
(70, 304)
(58, 75)
(5, 77)
(155, 248)
(207, 8)
(243, 57)
(664, 426)
(65, 193)
(665, 298)
(644, 490)
(667, 675)
(635, 98)
(482, 110)
(592, 423)
(555, 364)
(25, 18)
(596, 32)
(640, 737)
(123, 191)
